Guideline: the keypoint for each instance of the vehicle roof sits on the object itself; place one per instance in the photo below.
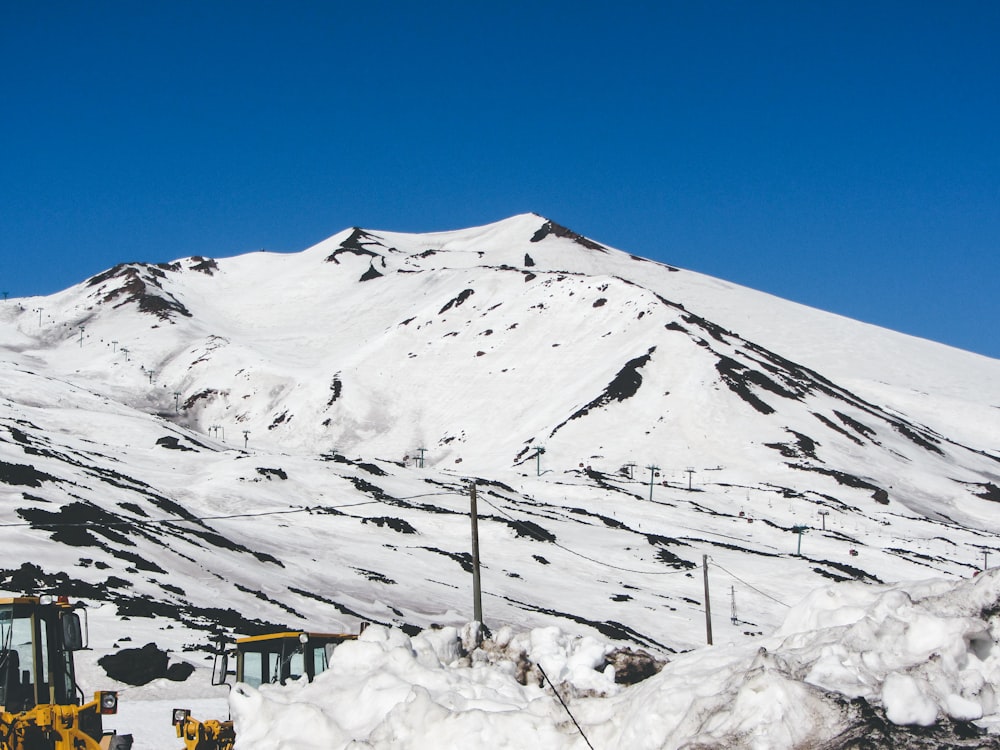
(294, 635)
(18, 600)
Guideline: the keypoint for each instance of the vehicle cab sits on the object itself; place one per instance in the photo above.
(40, 703)
(278, 657)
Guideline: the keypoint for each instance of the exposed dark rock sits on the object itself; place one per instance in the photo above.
(633, 666)
(281, 418)
(842, 477)
(851, 572)
(24, 475)
(528, 529)
(179, 671)
(869, 729)
(457, 301)
(337, 387)
(136, 666)
(372, 575)
(356, 244)
(855, 425)
(557, 230)
(837, 428)
(76, 523)
(462, 558)
(138, 282)
(803, 447)
(204, 265)
(207, 394)
(624, 385)
(268, 473)
(396, 524)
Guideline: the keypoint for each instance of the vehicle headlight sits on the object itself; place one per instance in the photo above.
(108, 701)
(180, 716)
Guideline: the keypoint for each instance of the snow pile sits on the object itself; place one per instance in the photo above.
(917, 654)
(922, 650)
(426, 692)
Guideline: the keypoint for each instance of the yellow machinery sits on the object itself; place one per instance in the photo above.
(41, 706)
(260, 659)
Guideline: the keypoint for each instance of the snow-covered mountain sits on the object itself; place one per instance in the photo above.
(290, 438)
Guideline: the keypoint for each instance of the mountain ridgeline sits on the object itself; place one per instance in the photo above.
(288, 439)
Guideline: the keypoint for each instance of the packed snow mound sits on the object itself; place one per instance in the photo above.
(905, 664)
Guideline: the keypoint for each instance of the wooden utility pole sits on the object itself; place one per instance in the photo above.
(708, 602)
(477, 594)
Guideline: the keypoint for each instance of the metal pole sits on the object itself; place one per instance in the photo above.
(477, 594)
(708, 602)
(653, 468)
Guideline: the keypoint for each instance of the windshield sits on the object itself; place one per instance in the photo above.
(17, 662)
(31, 655)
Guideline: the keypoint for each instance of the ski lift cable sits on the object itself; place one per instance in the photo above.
(749, 585)
(180, 519)
(563, 547)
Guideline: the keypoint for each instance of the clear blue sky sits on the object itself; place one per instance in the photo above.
(841, 154)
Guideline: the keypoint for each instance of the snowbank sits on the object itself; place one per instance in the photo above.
(917, 654)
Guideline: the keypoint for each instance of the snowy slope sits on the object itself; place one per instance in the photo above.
(236, 443)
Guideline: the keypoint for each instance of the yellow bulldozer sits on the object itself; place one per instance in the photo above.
(41, 706)
(260, 659)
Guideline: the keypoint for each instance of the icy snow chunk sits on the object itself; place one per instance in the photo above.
(962, 709)
(906, 701)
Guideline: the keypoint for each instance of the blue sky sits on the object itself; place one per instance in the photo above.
(845, 155)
